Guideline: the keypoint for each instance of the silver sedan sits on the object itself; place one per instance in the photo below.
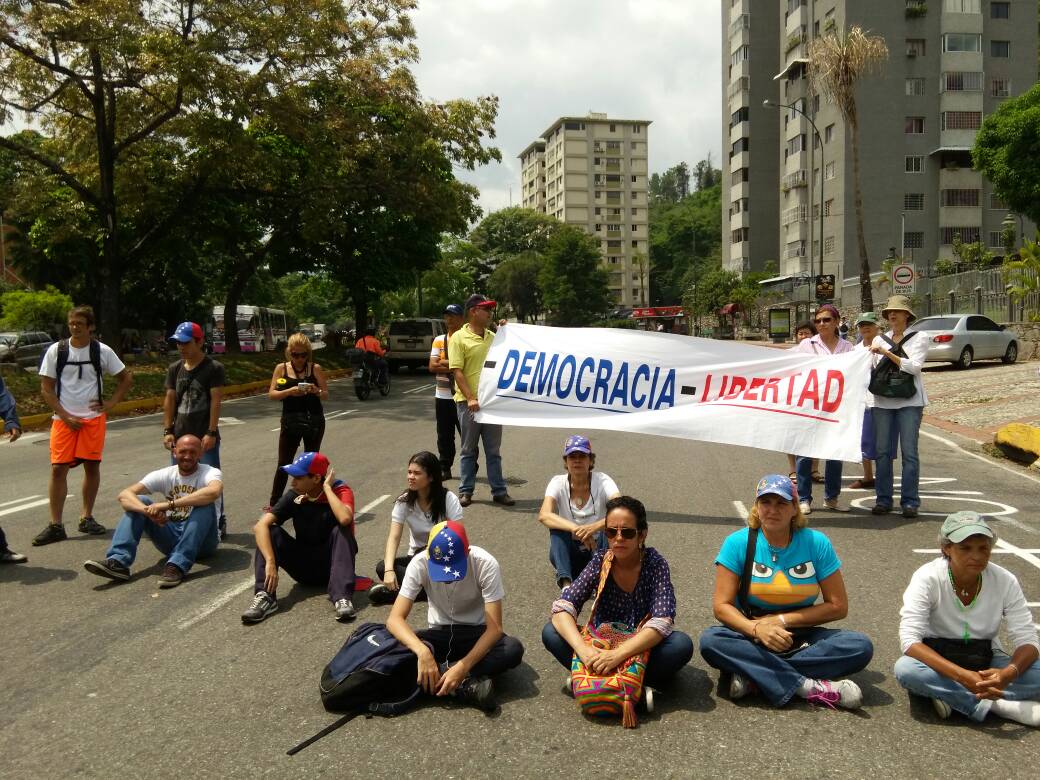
(962, 339)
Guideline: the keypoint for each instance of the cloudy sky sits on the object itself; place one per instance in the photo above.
(632, 59)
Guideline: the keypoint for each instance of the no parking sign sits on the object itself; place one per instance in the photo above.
(903, 277)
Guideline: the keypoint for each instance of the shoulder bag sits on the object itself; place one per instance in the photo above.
(887, 379)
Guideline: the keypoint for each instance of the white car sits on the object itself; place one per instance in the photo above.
(961, 339)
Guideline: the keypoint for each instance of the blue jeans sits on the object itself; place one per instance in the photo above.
(181, 542)
(666, 658)
(832, 654)
(917, 677)
(472, 434)
(569, 556)
(907, 422)
(831, 478)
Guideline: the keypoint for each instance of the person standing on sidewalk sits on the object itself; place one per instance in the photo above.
(194, 390)
(72, 385)
(444, 395)
(12, 430)
(825, 342)
(467, 351)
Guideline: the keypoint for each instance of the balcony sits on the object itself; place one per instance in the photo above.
(742, 84)
(792, 252)
(795, 214)
(799, 178)
(742, 22)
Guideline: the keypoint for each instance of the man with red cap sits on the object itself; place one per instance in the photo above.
(323, 550)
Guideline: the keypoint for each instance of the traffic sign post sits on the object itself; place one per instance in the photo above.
(903, 278)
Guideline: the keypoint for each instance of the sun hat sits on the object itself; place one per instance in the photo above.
(898, 303)
(960, 525)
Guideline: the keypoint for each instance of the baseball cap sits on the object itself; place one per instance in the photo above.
(960, 525)
(185, 332)
(308, 463)
(867, 318)
(577, 443)
(776, 485)
(449, 552)
(482, 301)
(453, 308)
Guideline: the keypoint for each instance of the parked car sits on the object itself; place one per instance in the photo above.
(24, 347)
(962, 339)
(410, 342)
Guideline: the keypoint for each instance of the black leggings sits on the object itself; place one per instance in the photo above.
(311, 429)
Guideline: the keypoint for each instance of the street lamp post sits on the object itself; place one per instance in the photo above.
(791, 106)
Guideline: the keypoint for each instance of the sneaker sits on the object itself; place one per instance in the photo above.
(568, 687)
(806, 507)
(910, 512)
(942, 709)
(10, 556)
(88, 525)
(740, 686)
(833, 505)
(52, 533)
(843, 693)
(263, 604)
(446, 475)
(477, 691)
(110, 568)
(380, 594)
(648, 698)
(880, 509)
(465, 499)
(345, 611)
(504, 499)
(222, 528)
(171, 577)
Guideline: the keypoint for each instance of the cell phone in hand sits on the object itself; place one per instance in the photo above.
(305, 385)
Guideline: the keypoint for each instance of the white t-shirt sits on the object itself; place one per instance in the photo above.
(420, 523)
(172, 484)
(868, 396)
(916, 351)
(603, 487)
(445, 384)
(461, 602)
(79, 383)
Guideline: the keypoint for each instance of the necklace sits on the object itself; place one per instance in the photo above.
(965, 633)
(774, 552)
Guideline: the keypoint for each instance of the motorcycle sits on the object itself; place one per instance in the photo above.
(366, 375)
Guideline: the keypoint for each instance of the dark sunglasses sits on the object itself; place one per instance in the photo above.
(299, 354)
(626, 533)
(824, 319)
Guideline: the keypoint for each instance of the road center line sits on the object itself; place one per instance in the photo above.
(215, 604)
(30, 505)
(418, 389)
(371, 505)
(742, 512)
(20, 500)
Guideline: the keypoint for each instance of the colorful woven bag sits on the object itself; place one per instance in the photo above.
(615, 693)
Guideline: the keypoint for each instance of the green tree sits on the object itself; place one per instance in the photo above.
(683, 235)
(575, 289)
(1005, 152)
(516, 282)
(1023, 272)
(28, 310)
(506, 233)
(445, 283)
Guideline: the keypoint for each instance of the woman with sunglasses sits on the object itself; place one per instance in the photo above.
(772, 641)
(300, 385)
(638, 593)
(825, 342)
(574, 510)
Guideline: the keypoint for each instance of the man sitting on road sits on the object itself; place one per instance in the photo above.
(370, 344)
(183, 527)
(464, 588)
(323, 550)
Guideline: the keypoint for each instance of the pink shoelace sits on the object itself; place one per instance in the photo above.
(823, 695)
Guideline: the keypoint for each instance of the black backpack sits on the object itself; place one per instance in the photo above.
(94, 360)
(372, 674)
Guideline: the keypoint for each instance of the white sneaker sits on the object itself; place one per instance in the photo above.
(806, 507)
(345, 610)
(739, 686)
(833, 505)
(835, 693)
(942, 709)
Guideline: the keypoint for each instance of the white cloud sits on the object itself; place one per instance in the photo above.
(632, 59)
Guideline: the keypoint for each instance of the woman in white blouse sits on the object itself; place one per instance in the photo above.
(950, 618)
(574, 510)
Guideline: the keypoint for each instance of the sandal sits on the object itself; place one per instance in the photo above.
(860, 484)
(793, 476)
(817, 478)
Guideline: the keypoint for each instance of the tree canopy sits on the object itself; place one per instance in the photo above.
(575, 287)
(1007, 152)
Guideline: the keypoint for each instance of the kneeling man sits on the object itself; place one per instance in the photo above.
(183, 527)
(322, 552)
(464, 588)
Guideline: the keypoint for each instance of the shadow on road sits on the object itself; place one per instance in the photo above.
(27, 574)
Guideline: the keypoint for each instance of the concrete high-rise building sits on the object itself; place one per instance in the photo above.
(591, 172)
(951, 62)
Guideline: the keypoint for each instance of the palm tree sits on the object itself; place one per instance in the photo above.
(836, 64)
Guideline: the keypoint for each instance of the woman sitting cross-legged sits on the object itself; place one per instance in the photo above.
(638, 588)
(771, 638)
(952, 611)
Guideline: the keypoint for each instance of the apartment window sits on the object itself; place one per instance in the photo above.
(636, 129)
(795, 145)
(742, 114)
(613, 128)
(599, 228)
(915, 86)
(968, 235)
(915, 47)
(738, 235)
(962, 6)
(597, 211)
(960, 197)
(914, 163)
(633, 179)
(613, 245)
(913, 201)
(1000, 88)
(962, 42)
(914, 125)
(962, 81)
(828, 171)
(828, 245)
(913, 239)
(828, 133)
(794, 5)
(996, 203)
(1000, 10)
(635, 212)
(827, 206)
(996, 239)
(739, 176)
(573, 125)
(1000, 49)
(635, 245)
(816, 105)
(740, 145)
(961, 120)
(613, 228)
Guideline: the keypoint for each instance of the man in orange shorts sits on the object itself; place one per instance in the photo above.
(71, 384)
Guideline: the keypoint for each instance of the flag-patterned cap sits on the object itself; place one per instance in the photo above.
(449, 552)
(776, 485)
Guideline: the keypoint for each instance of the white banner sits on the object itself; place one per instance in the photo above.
(671, 385)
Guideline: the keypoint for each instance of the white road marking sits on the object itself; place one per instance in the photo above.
(1025, 555)
(742, 512)
(956, 446)
(30, 505)
(231, 421)
(418, 389)
(215, 604)
(334, 415)
(20, 500)
(371, 505)
(994, 551)
(30, 437)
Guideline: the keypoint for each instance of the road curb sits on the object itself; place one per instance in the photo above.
(151, 404)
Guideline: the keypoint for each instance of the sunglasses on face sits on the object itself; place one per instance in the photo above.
(626, 533)
(298, 354)
(823, 319)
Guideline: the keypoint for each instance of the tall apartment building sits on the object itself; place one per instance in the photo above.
(591, 172)
(951, 62)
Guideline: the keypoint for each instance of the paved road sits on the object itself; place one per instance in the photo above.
(102, 679)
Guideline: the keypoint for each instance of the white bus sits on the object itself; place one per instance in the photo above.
(259, 329)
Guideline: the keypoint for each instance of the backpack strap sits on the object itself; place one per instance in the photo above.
(604, 573)
(745, 577)
(325, 731)
(63, 359)
(95, 361)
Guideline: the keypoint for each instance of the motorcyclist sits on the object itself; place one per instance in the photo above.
(369, 344)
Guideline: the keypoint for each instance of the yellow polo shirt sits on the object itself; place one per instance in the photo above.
(467, 350)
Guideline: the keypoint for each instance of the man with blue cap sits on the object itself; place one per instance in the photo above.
(323, 550)
(444, 394)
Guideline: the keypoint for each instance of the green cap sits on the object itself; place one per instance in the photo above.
(867, 317)
(960, 525)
